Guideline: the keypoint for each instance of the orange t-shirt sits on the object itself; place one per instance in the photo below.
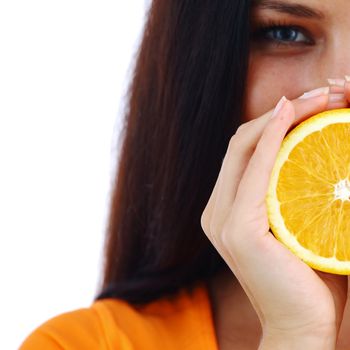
(184, 322)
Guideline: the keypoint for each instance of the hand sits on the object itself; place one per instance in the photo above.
(291, 300)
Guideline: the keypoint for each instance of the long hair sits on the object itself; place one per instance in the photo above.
(185, 101)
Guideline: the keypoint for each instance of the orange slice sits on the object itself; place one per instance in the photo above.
(308, 199)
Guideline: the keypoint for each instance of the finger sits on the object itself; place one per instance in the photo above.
(340, 99)
(253, 187)
(207, 225)
(252, 190)
(209, 208)
(332, 99)
(240, 150)
(304, 108)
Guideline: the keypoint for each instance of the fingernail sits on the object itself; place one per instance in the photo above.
(279, 106)
(315, 92)
(337, 82)
(336, 97)
(347, 78)
(335, 89)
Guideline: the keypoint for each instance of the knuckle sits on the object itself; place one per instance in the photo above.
(240, 130)
(234, 142)
(240, 135)
(205, 222)
(243, 127)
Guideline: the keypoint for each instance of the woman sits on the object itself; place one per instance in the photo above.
(200, 140)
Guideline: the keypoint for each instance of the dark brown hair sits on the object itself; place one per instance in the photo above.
(185, 102)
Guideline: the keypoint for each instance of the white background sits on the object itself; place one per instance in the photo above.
(64, 68)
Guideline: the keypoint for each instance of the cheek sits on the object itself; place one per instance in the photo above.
(269, 78)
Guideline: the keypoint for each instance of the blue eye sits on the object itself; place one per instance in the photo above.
(289, 34)
(282, 35)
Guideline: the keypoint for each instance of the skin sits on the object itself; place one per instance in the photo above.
(290, 306)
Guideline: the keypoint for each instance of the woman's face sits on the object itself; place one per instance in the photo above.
(304, 43)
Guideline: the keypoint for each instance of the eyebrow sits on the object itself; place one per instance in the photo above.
(296, 10)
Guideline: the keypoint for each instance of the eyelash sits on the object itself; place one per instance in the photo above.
(260, 31)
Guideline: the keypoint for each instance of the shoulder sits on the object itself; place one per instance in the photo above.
(100, 326)
(78, 329)
(114, 324)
